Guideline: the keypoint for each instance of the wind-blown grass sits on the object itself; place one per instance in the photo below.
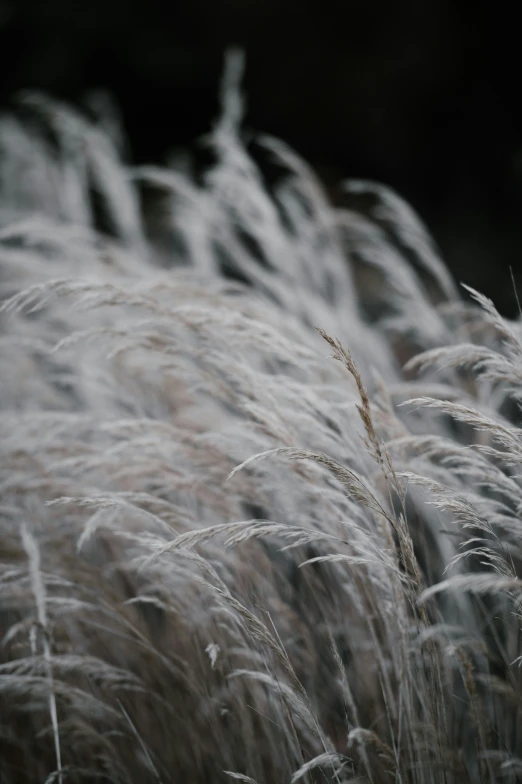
(225, 555)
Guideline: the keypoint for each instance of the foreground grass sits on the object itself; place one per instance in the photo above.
(223, 553)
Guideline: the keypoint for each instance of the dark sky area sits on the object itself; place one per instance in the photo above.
(420, 94)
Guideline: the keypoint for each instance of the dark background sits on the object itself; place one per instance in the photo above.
(420, 94)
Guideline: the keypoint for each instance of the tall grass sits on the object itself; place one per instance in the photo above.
(259, 470)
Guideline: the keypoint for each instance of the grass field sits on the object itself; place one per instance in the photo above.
(259, 474)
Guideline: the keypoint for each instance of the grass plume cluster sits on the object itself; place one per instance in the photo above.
(223, 554)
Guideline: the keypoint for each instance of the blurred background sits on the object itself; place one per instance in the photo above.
(420, 94)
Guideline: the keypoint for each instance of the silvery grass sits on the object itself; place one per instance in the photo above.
(260, 495)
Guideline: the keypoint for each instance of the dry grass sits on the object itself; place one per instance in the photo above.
(223, 555)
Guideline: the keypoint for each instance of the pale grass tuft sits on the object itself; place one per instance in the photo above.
(220, 555)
